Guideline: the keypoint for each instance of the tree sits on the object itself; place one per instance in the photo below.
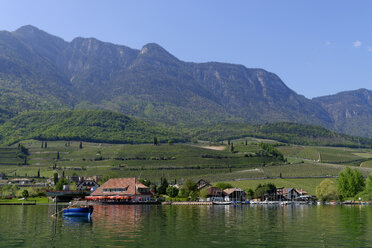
(232, 147)
(250, 193)
(188, 188)
(350, 183)
(369, 183)
(155, 141)
(367, 193)
(170, 142)
(46, 145)
(223, 186)
(163, 186)
(42, 144)
(25, 194)
(60, 183)
(38, 173)
(246, 142)
(81, 145)
(57, 155)
(326, 190)
(172, 191)
(265, 189)
(194, 195)
(55, 178)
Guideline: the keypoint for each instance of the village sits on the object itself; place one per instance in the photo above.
(140, 191)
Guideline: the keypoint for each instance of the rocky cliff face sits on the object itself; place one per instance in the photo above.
(350, 110)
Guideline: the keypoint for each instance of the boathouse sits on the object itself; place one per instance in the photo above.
(122, 190)
(287, 193)
(234, 194)
(215, 194)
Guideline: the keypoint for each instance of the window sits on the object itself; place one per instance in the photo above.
(115, 189)
(143, 190)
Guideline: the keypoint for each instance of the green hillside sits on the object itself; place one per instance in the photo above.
(112, 127)
(291, 133)
(90, 125)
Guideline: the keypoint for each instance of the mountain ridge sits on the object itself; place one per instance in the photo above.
(44, 72)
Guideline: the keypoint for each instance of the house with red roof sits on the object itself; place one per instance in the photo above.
(122, 190)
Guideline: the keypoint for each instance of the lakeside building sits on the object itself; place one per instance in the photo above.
(203, 184)
(287, 193)
(215, 194)
(122, 190)
(87, 185)
(234, 194)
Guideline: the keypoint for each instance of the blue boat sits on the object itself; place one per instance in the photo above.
(78, 212)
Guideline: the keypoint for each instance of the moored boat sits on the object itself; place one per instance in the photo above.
(78, 211)
(221, 202)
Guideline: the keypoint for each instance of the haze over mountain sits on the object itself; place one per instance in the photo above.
(39, 71)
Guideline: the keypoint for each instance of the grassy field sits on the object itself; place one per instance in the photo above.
(38, 200)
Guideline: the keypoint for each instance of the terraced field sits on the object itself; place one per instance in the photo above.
(9, 156)
(180, 161)
(176, 161)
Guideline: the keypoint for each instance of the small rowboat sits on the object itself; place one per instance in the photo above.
(78, 212)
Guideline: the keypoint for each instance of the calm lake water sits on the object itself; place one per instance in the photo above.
(189, 226)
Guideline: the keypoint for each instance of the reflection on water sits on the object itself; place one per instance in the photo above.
(189, 226)
(76, 219)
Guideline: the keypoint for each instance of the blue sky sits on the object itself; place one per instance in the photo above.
(316, 47)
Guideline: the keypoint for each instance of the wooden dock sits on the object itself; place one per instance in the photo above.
(17, 203)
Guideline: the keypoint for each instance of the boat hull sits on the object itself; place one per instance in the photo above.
(221, 203)
(78, 212)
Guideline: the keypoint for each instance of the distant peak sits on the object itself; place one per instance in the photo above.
(27, 29)
(151, 47)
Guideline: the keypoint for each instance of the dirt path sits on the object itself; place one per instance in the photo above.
(217, 148)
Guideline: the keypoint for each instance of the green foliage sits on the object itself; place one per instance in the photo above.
(286, 132)
(55, 178)
(145, 182)
(25, 193)
(194, 195)
(327, 191)
(350, 183)
(189, 189)
(89, 125)
(172, 191)
(204, 193)
(223, 185)
(250, 193)
(163, 186)
(270, 149)
(60, 183)
(264, 189)
(367, 193)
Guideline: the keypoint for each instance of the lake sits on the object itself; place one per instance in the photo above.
(189, 226)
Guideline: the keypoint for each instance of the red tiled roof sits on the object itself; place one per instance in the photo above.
(127, 183)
